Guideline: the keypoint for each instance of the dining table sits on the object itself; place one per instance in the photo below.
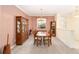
(43, 34)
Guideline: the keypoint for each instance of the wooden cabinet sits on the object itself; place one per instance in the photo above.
(21, 29)
(53, 28)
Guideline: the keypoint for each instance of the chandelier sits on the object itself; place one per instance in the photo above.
(41, 13)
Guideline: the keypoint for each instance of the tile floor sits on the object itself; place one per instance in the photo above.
(57, 47)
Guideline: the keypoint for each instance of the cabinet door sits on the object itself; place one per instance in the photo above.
(18, 26)
(23, 25)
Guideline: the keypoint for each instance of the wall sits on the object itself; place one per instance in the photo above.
(33, 22)
(67, 37)
(8, 23)
(69, 34)
(61, 22)
(0, 30)
(63, 33)
(72, 24)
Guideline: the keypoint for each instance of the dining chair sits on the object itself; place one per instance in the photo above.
(47, 40)
(34, 35)
(37, 39)
(50, 37)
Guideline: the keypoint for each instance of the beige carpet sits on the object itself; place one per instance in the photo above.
(57, 47)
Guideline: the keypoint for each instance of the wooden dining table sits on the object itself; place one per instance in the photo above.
(44, 34)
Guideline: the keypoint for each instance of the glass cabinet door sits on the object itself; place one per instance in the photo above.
(18, 26)
(23, 25)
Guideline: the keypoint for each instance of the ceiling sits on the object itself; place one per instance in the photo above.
(47, 10)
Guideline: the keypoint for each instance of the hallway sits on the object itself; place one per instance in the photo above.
(57, 48)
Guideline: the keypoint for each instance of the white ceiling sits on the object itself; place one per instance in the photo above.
(48, 10)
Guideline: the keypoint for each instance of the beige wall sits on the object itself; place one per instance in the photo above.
(33, 22)
(63, 33)
(73, 24)
(61, 21)
(8, 23)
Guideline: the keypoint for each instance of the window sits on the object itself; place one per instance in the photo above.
(41, 23)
